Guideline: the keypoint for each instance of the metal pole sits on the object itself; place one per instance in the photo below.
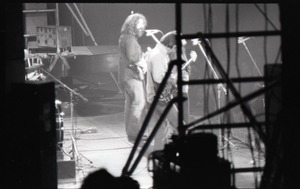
(251, 58)
(181, 129)
(76, 18)
(57, 24)
(88, 29)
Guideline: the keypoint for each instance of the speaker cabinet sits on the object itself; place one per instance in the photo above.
(32, 141)
(66, 169)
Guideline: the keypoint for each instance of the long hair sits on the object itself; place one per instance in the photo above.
(130, 23)
(169, 39)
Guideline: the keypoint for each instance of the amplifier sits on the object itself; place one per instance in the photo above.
(51, 36)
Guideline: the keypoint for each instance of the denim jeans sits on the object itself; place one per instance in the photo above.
(135, 104)
(168, 127)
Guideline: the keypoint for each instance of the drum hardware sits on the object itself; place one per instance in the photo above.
(75, 154)
(34, 67)
(33, 63)
(220, 89)
(59, 124)
(230, 86)
(242, 40)
(34, 76)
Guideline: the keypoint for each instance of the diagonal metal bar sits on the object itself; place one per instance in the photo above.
(219, 126)
(85, 24)
(154, 131)
(233, 104)
(53, 63)
(244, 106)
(76, 18)
(65, 62)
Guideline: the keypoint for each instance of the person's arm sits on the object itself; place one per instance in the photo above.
(135, 55)
(133, 50)
(159, 69)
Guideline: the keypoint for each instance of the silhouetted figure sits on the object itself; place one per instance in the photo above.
(125, 182)
(103, 179)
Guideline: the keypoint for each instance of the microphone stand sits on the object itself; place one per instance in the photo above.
(75, 153)
(220, 86)
(151, 33)
(242, 40)
(253, 61)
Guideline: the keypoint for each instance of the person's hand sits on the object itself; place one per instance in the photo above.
(172, 81)
(143, 65)
(185, 75)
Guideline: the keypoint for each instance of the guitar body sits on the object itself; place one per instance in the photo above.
(138, 70)
(168, 93)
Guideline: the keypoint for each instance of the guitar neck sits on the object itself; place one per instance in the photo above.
(186, 64)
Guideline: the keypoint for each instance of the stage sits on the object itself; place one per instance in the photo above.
(100, 141)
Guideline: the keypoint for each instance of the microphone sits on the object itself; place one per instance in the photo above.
(242, 39)
(183, 42)
(195, 41)
(149, 32)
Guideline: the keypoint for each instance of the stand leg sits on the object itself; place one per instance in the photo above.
(221, 134)
(75, 153)
(228, 141)
(53, 63)
(116, 82)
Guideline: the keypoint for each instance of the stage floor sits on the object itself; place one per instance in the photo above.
(100, 142)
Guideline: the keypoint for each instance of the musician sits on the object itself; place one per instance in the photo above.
(132, 66)
(158, 62)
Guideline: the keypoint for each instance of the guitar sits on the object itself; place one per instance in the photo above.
(140, 68)
(169, 90)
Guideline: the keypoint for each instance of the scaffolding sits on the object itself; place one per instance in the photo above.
(267, 82)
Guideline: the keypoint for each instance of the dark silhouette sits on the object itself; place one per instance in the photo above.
(103, 179)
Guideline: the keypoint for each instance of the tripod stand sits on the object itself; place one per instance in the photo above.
(220, 89)
(242, 40)
(75, 154)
